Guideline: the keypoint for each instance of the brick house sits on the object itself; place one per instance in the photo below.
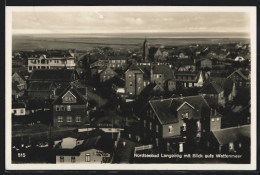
(117, 62)
(164, 120)
(134, 80)
(213, 93)
(240, 79)
(229, 140)
(70, 108)
(163, 75)
(107, 74)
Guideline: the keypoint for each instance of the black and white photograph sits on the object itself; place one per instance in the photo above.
(103, 87)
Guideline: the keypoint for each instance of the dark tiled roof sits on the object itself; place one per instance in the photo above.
(134, 68)
(211, 88)
(224, 136)
(53, 75)
(239, 72)
(23, 74)
(125, 154)
(163, 69)
(18, 105)
(75, 92)
(40, 86)
(185, 61)
(103, 143)
(164, 108)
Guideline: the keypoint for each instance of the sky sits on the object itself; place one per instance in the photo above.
(127, 22)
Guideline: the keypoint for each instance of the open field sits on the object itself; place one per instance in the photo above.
(86, 43)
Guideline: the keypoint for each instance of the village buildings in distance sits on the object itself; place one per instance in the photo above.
(129, 105)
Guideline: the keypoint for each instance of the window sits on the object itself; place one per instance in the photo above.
(157, 128)
(68, 108)
(69, 119)
(73, 159)
(144, 84)
(62, 108)
(129, 75)
(60, 119)
(184, 126)
(87, 157)
(180, 147)
(78, 118)
(30, 67)
(14, 111)
(21, 111)
(213, 120)
(157, 142)
(61, 159)
(57, 108)
(231, 146)
(131, 83)
(170, 128)
(185, 115)
(168, 146)
(151, 126)
(218, 118)
(69, 99)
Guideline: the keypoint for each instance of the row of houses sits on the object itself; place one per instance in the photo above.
(168, 124)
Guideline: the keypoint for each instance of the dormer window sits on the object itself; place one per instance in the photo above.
(185, 115)
(170, 128)
(69, 98)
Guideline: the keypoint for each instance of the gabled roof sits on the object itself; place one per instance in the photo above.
(224, 136)
(108, 68)
(52, 74)
(15, 87)
(165, 108)
(239, 73)
(134, 67)
(211, 88)
(163, 69)
(162, 109)
(73, 90)
(22, 74)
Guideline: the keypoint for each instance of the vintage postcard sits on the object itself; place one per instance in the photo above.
(130, 88)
